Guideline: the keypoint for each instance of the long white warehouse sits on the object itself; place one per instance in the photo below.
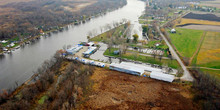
(162, 76)
(137, 69)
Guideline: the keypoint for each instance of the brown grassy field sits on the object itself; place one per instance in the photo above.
(116, 90)
(203, 27)
(209, 54)
(215, 3)
(194, 21)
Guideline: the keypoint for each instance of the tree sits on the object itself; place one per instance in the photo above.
(101, 29)
(135, 38)
(88, 38)
(145, 28)
(162, 30)
(154, 54)
(135, 54)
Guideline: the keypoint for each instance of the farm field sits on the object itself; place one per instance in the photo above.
(186, 41)
(185, 21)
(209, 54)
(215, 3)
(209, 17)
(202, 27)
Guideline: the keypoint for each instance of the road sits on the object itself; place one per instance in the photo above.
(186, 75)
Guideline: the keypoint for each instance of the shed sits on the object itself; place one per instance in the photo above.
(173, 31)
(162, 76)
(91, 44)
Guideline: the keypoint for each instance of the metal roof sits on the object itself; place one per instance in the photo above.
(162, 76)
(128, 67)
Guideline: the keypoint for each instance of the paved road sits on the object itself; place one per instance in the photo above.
(186, 75)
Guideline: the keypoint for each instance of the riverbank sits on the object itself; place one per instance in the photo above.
(22, 40)
(21, 65)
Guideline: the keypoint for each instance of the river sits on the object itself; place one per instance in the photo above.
(20, 65)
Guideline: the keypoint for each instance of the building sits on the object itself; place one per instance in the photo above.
(173, 31)
(73, 50)
(161, 76)
(127, 69)
(142, 70)
(89, 51)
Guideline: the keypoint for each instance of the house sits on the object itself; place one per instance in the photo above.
(173, 31)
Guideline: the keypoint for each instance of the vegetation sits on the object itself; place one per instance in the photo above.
(195, 21)
(117, 31)
(206, 89)
(146, 59)
(59, 84)
(25, 19)
(186, 41)
(209, 54)
(143, 21)
(135, 38)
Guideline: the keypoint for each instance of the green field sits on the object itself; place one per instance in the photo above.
(186, 41)
(171, 63)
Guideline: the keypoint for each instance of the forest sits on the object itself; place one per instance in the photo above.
(58, 84)
(28, 19)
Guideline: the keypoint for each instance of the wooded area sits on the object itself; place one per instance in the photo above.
(25, 19)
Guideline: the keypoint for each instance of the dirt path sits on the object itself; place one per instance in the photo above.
(205, 68)
(116, 90)
(198, 48)
(186, 75)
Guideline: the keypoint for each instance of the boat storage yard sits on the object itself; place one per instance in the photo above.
(81, 53)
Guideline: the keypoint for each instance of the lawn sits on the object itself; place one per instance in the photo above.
(209, 54)
(195, 21)
(144, 21)
(151, 44)
(186, 41)
(171, 63)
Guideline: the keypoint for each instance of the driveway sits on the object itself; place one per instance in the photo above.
(98, 55)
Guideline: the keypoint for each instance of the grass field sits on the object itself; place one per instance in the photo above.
(194, 21)
(186, 41)
(171, 63)
(215, 73)
(104, 36)
(144, 21)
(209, 54)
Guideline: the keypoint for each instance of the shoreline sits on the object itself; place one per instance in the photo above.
(60, 29)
